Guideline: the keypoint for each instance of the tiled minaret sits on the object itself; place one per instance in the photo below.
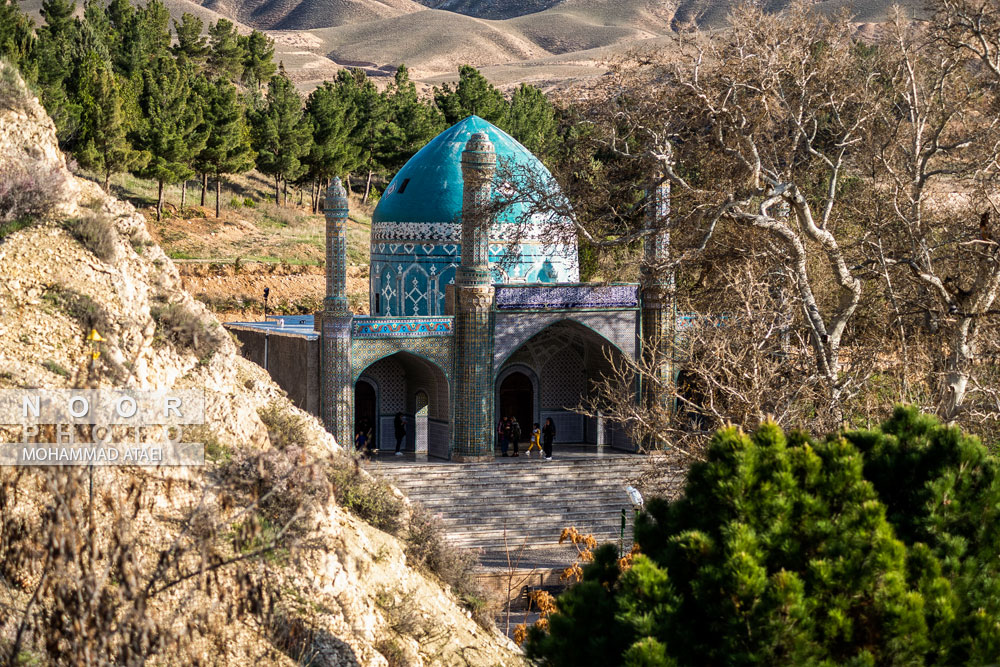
(472, 412)
(337, 393)
(656, 285)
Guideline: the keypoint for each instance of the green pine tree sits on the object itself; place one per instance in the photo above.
(865, 548)
(369, 111)
(281, 135)
(54, 52)
(191, 43)
(410, 123)
(531, 119)
(331, 153)
(227, 146)
(226, 56)
(102, 144)
(473, 95)
(258, 59)
(172, 131)
(17, 35)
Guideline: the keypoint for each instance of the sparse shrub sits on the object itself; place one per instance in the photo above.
(235, 203)
(284, 427)
(392, 652)
(96, 231)
(401, 612)
(181, 324)
(427, 548)
(56, 368)
(80, 307)
(371, 499)
(248, 202)
(14, 94)
(29, 191)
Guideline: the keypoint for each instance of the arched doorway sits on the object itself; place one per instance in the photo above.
(365, 408)
(516, 398)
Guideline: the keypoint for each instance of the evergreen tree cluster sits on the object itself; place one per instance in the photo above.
(865, 548)
(128, 94)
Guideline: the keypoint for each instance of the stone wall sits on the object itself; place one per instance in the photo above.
(291, 360)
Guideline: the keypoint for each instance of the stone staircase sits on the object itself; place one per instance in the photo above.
(529, 499)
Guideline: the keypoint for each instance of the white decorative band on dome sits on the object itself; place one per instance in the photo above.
(554, 231)
(416, 231)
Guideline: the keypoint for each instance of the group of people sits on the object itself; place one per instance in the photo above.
(364, 440)
(508, 434)
(509, 437)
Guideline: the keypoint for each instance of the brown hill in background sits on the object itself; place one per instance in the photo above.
(547, 42)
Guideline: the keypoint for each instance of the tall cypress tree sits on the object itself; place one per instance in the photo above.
(102, 144)
(282, 134)
(171, 131)
(56, 47)
(227, 147)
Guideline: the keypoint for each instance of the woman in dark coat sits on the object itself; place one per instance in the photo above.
(548, 435)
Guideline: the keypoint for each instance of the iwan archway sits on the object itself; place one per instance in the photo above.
(416, 388)
(557, 368)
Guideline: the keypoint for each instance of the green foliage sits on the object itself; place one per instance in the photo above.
(16, 33)
(226, 56)
(258, 59)
(191, 43)
(171, 131)
(531, 120)
(227, 138)
(410, 123)
(472, 95)
(282, 134)
(102, 144)
(868, 547)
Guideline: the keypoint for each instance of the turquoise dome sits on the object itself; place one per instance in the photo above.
(433, 177)
(416, 227)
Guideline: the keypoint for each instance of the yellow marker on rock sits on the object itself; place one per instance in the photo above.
(95, 340)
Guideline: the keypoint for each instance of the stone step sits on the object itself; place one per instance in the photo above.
(503, 496)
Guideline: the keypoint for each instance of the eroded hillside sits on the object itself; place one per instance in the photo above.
(251, 559)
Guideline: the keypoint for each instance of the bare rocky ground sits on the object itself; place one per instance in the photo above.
(352, 580)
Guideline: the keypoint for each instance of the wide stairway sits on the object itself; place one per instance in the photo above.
(522, 504)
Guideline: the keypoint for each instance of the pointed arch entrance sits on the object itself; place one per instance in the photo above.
(516, 394)
(415, 387)
(563, 360)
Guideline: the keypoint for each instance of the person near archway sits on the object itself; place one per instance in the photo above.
(548, 435)
(399, 429)
(515, 433)
(535, 442)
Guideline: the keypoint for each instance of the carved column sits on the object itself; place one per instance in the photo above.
(472, 386)
(336, 381)
(656, 291)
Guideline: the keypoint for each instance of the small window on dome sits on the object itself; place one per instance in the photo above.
(403, 185)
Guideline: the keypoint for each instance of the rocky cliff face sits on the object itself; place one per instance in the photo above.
(346, 592)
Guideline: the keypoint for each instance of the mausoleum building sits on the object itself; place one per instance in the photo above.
(476, 313)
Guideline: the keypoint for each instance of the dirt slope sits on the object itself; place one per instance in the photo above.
(351, 582)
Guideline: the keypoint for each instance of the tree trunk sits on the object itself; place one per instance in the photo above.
(277, 190)
(107, 181)
(184, 189)
(218, 193)
(347, 184)
(368, 187)
(159, 199)
(204, 186)
(284, 197)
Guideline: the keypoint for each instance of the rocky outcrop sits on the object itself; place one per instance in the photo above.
(354, 580)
